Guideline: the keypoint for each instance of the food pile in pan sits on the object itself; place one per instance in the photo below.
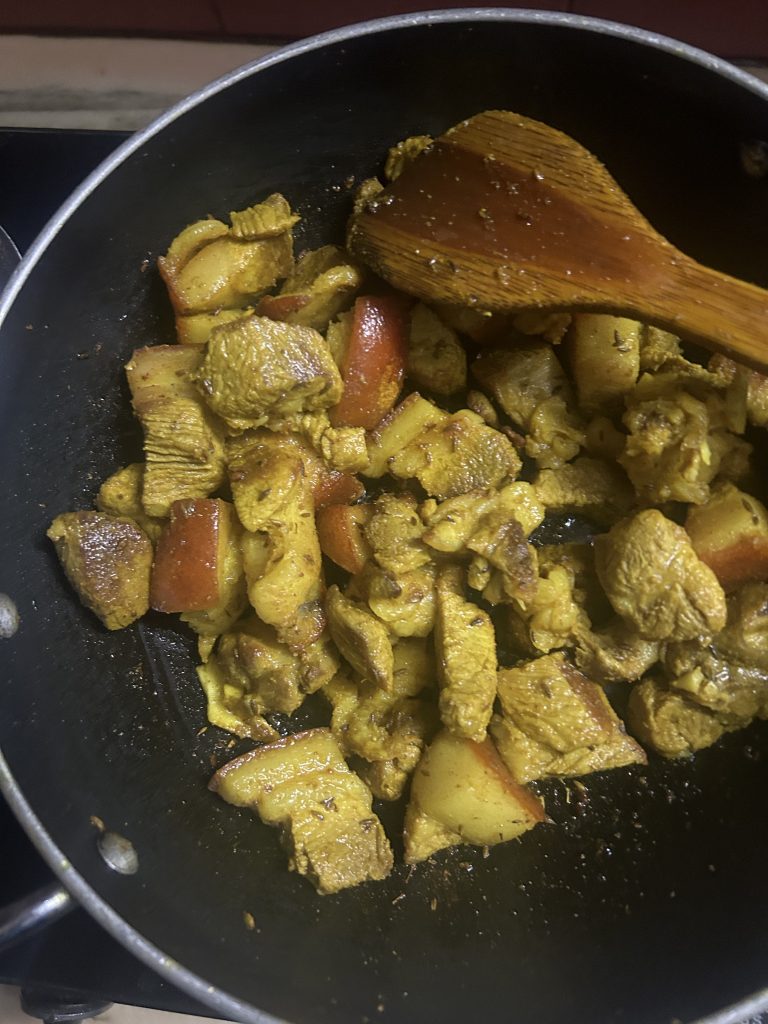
(343, 493)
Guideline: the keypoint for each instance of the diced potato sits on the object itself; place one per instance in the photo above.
(189, 573)
(107, 560)
(303, 785)
(161, 371)
(362, 638)
(340, 529)
(605, 359)
(437, 361)
(465, 647)
(556, 722)
(233, 596)
(404, 424)
(210, 267)
(463, 793)
(730, 535)
(196, 328)
(373, 363)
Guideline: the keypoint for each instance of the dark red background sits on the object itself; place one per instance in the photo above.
(730, 28)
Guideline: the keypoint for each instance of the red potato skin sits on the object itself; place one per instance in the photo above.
(743, 562)
(374, 365)
(185, 569)
(488, 755)
(333, 487)
(278, 307)
(341, 538)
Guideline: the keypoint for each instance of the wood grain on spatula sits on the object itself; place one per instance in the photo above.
(504, 213)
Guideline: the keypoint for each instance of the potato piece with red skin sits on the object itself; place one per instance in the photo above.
(340, 529)
(189, 556)
(374, 363)
(462, 792)
(730, 535)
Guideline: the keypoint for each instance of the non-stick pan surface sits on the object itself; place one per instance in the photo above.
(648, 900)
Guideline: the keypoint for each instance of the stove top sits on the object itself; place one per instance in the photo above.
(73, 961)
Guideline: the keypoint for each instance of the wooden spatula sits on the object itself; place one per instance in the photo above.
(504, 213)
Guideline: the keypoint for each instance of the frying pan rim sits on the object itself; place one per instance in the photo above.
(86, 896)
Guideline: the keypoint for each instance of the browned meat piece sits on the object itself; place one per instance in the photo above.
(465, 647)
(457, 455)
(394, 532)
(615, 654)
(303, 785)
(593, 487)
(362, 639)
(256, 366)
(107, 560)
(323, 283)
(437, 361)
(671, 723)
(654, 579)
(556, 722)
(121, 495)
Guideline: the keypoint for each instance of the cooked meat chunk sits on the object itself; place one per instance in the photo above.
(465, 647)
(394, 531)
(183, 442)
(451, 523)
(266, 473)
(551, 327)
(555, 435)
(437, 361)
(458, 455)
(345, 448)
(283, 570)
(269, 676)
(257, 366)
(677, 443)
(605, 359)
(229, 705)
(405, 601)
(501, 542)
(556, 722)
(653, 578)
(520, 379)
(121, 495)
(195, 328)
(362, 638)
(302, 784)
(382, 729)
(210, 267)
(553, 618)
(615, 653)
(323, 283)
(657, 347)
(107, 560)
(671, 723)
(729, 675)
(593, 487)
(463, 793)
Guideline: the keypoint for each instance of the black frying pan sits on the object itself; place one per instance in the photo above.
(649, 900)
